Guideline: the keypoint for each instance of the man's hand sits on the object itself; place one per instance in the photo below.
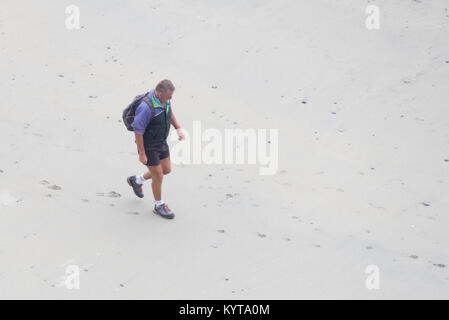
(143, 158)
(180, 134)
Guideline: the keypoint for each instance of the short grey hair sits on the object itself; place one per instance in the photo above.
(165, 86)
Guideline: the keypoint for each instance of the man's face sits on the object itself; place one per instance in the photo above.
(163, 97)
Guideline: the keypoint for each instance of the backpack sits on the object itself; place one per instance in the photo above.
(130, 111)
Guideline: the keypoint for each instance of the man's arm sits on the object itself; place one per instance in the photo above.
(139, 141)
(173, 121)
(177, 127)
(140, 123)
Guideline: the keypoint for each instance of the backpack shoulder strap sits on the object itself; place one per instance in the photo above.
(150, 104)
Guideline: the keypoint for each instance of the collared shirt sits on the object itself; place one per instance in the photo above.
(143, 114)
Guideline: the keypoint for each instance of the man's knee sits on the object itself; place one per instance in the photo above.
(156, 172)
(166, 170)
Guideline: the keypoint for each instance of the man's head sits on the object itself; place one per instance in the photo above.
(164, 90)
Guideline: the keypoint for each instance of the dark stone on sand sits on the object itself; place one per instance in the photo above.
(55, 187)
(440, 265)
(426, 204)
(413, 256)
(261, 235)
(303, 102)
(221, 231)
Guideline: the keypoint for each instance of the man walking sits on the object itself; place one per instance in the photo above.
(151, 132)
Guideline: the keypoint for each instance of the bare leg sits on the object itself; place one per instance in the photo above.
(156, 184)
(147, 175)
(166, 165)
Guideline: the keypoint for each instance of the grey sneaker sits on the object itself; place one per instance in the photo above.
(164, 211)
(137, 188)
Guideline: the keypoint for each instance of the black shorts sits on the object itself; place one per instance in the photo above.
(156, 153)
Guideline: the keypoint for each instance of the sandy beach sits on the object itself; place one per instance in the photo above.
(356, 203)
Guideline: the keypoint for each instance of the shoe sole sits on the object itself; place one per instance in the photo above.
(155, 212)
(127, 179)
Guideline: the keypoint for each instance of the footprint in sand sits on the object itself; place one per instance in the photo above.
(114, 194)
(440, 265)
(46, 183)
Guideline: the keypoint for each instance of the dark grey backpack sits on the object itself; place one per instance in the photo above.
(130, 111)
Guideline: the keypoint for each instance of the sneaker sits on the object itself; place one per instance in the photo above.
(136, 187)
(164, 211)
